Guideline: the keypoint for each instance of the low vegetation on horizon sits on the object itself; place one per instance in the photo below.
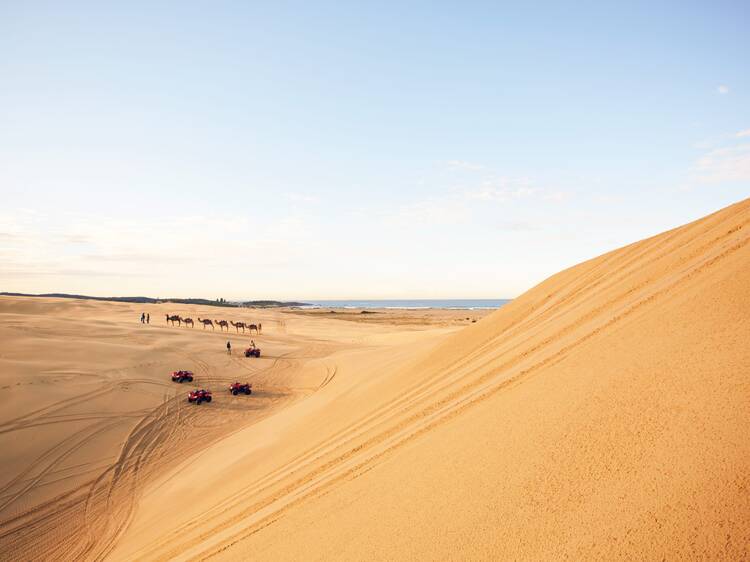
(149, 300)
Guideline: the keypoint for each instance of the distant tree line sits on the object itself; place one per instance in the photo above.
(149, 300)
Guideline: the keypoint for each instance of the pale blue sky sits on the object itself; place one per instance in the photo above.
(314, 150)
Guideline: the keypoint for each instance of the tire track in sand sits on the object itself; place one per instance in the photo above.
(224, 531)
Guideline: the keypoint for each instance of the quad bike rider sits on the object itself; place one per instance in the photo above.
(253, 350)
(180, 376)
(236, 387)
(198, 396)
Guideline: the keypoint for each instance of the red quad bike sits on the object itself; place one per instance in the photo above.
(252, 352)
(199, 396)
(237, 387)
(181, 376)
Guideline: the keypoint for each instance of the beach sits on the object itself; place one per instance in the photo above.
(603, 414)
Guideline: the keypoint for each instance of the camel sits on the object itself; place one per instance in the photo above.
(188, 321)
(173, 319)
(206, 322)
(238, 325)
(222, 324)
(257, 328)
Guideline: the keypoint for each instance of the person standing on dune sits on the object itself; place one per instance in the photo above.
(229, 348)
(148, 318)
(143, 317)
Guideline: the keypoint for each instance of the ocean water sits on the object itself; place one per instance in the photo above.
(411, 303)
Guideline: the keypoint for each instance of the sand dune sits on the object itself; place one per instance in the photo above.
(602, 415)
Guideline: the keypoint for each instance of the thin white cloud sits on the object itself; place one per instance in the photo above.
(730, 164)
(491, 186)
(719, 140)
(432, 212)
(519, 226)
(463, 202)
(464, 165)
(489, 192)
(300, 198)
(555, 196)
(73, 248)
(705, 144)
(722, 89)
(503, 189)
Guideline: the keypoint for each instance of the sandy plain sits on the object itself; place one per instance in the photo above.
(90, 415)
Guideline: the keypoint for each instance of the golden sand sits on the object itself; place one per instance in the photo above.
(604, 414)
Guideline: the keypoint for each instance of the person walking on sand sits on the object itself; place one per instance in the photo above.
(229, 348)
(143, 317)
(148, 318)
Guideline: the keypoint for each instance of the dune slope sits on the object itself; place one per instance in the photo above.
(604, 414)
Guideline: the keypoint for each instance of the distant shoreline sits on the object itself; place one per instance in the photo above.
(342, 304)
(408, 304)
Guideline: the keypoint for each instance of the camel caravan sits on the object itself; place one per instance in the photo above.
(213, 323)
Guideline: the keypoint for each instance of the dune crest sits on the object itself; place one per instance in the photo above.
(603, 414)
